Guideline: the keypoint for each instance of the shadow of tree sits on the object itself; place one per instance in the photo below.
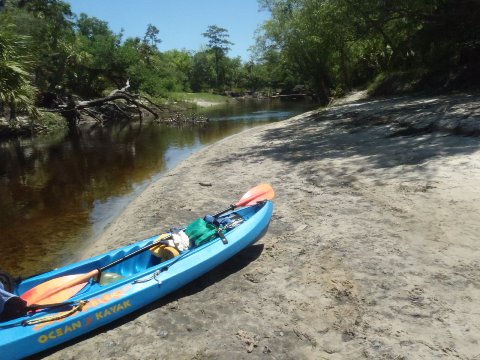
(364, 131)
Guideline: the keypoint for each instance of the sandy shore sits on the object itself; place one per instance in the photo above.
(373, 251)
(205, 103)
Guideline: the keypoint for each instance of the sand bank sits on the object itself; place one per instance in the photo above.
(373, 251)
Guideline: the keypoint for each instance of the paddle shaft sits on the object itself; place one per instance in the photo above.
(230, 208)
(35, 297)
(247, 200)
(149, 246)
(242, 202)
(71, 284)
(96, 273)
(126, 257)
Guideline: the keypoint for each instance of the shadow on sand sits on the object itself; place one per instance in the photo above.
(370, 131)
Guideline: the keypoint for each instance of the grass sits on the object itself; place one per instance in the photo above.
(51, 121)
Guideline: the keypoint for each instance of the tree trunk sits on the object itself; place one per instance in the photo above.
(323, 94)
(345, 69)
(71, 115)
(13, 112)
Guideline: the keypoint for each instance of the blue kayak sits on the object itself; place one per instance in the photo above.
(138, 281)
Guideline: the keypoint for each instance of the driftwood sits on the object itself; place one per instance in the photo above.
(110, 105)
(118, 104)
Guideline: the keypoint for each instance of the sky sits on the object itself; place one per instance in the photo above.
(181, 22)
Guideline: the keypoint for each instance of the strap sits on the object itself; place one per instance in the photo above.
(35, 307)
(54, 317)
(222, 236)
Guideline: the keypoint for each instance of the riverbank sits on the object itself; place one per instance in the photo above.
(201, 100)
(372, 252)
(172, 112)
(24, 126)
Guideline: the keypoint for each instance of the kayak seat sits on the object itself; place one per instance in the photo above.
(135, 265)
(165, 252)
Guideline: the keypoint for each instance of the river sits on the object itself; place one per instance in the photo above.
(59, 192)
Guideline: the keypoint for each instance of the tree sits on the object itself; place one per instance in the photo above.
(180, 64)
(151, 36)
(92, 64)
(337, 44)
(298, 29)
(203, 76)
(16, 90)
(218, 43)
(49, 23)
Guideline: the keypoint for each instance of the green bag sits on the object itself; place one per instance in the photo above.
(200, 231)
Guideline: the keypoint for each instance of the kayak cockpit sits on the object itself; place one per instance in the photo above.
(126, 269)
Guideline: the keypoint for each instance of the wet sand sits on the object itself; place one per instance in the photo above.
(373, 251)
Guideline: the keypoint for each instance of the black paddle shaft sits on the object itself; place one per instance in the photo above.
(126, 257)
(231, 208)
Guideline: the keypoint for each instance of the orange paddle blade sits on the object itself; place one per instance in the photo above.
(258, 193)
(59, 296)
(57, 290)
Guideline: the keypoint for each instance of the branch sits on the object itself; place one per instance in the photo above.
(118, 95)
(92, 114)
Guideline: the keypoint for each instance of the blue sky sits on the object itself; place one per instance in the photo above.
(181, 22)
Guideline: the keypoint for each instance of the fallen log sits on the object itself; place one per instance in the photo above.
(118, 95)
(118, 104)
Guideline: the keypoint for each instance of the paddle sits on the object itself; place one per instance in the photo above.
(258, 193)
(63, 288)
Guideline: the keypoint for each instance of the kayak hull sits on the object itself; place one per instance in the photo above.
(143, 280)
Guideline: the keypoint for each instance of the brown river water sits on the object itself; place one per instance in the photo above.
(59, 192)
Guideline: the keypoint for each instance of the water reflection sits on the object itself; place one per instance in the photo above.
(57, 191)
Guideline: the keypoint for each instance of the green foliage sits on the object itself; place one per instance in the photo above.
(81, 55)
(330, 45)
(92, 62)
(217, 39)
(16, 90)
(151, 36)
(179, 65)
(396, 82)
(51, 121)
(337, 44)
(219, 45)
(203, 71)
(48, 23)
